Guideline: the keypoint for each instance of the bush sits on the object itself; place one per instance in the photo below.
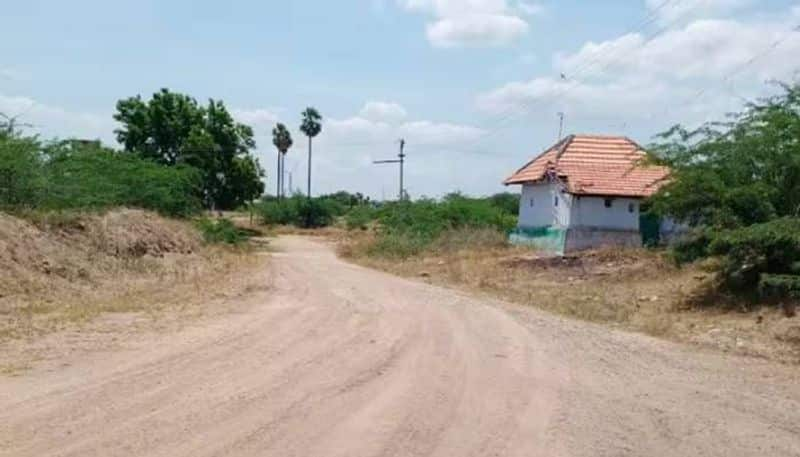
(428, 218)
(755, 254)
(359, 218)
(220, 231)
(76, 176)
(408, 228)
(298, 211)
(277, 212)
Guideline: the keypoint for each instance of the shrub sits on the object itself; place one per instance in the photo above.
(75, 176)
(754, 254)
(220, 231)
(359, 218)
(408, 228)
(298, 211)
(277, 212)
(314, 213)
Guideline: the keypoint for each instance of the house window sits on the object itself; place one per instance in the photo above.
(609, 203)
(556, 200)
(632, 208)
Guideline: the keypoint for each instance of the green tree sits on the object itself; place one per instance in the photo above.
(737, 173)
(173, 129)
(311, 126)
(282, 140)
(737, 184)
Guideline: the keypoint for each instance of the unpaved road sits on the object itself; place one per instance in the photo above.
(341, 361)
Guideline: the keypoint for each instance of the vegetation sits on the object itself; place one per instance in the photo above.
(220, 231)
(298, 211)
(172, 129)
(282, 140)
(407, 228)
(73, 175)
(311, 126)
(737, 184)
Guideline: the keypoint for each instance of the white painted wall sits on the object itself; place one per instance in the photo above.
(592, 212)
(538, 206)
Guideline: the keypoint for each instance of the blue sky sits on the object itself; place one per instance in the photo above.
(474, 86)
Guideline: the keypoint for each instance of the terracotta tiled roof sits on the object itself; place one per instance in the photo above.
(595, 165)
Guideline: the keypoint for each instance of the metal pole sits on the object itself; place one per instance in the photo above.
(560, 126)
(402, 163)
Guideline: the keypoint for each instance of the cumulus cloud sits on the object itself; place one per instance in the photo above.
(256, 118)
(383, 111)
(670, 11)
(476, 30)
(56, 122)
(634, 76)
(474, 23)
(361, 131)
(11, 74)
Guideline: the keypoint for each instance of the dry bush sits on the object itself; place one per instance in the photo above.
(56, 274)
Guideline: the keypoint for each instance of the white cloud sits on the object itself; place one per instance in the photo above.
(472, 22)
(670, 11)
(360, 131)
(383, 111)
(632, 77)
(258, 118)
(54, 121)
(530, 8)
(476, 30)
(11, 74)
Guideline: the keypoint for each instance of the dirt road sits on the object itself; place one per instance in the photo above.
(337, 360)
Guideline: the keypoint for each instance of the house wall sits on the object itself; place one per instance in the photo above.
(589, 211)
(581, 238)
(538, 206)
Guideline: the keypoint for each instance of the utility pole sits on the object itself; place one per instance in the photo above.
(560, 125)
(401, 161)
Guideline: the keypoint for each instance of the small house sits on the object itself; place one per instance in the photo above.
(585, 192)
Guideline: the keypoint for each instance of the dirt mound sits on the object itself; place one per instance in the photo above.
(58, 267)
(83, 247)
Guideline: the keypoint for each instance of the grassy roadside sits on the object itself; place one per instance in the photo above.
(69, 272)
(638, 290)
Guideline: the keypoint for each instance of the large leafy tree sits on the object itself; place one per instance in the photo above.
(173, 129)
(737, 183)
(311, 126)
(282, 140)
(735, 173)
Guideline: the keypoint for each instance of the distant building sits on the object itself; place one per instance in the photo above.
(585, 192)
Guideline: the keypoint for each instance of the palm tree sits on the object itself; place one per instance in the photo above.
(282, 140)
(311, 127)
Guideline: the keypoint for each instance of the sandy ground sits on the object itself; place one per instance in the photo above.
(337, 360)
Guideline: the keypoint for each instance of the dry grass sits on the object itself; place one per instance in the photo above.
(633, 289)
(56, 276)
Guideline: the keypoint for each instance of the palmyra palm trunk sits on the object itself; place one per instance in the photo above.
(278, 178)
(309, 167)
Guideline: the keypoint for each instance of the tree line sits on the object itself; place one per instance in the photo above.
(177, 156)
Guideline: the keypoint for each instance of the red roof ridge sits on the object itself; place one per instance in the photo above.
(565, 141)
(596, 165)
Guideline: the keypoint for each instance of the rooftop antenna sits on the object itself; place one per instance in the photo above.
(560, 126)
(401, 161)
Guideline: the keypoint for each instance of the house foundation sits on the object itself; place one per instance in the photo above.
(582, 238)
(561, 241)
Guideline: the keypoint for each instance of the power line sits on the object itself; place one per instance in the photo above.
(749, 62)
(514, 113)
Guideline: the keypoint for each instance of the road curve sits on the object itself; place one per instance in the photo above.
(337, 360)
